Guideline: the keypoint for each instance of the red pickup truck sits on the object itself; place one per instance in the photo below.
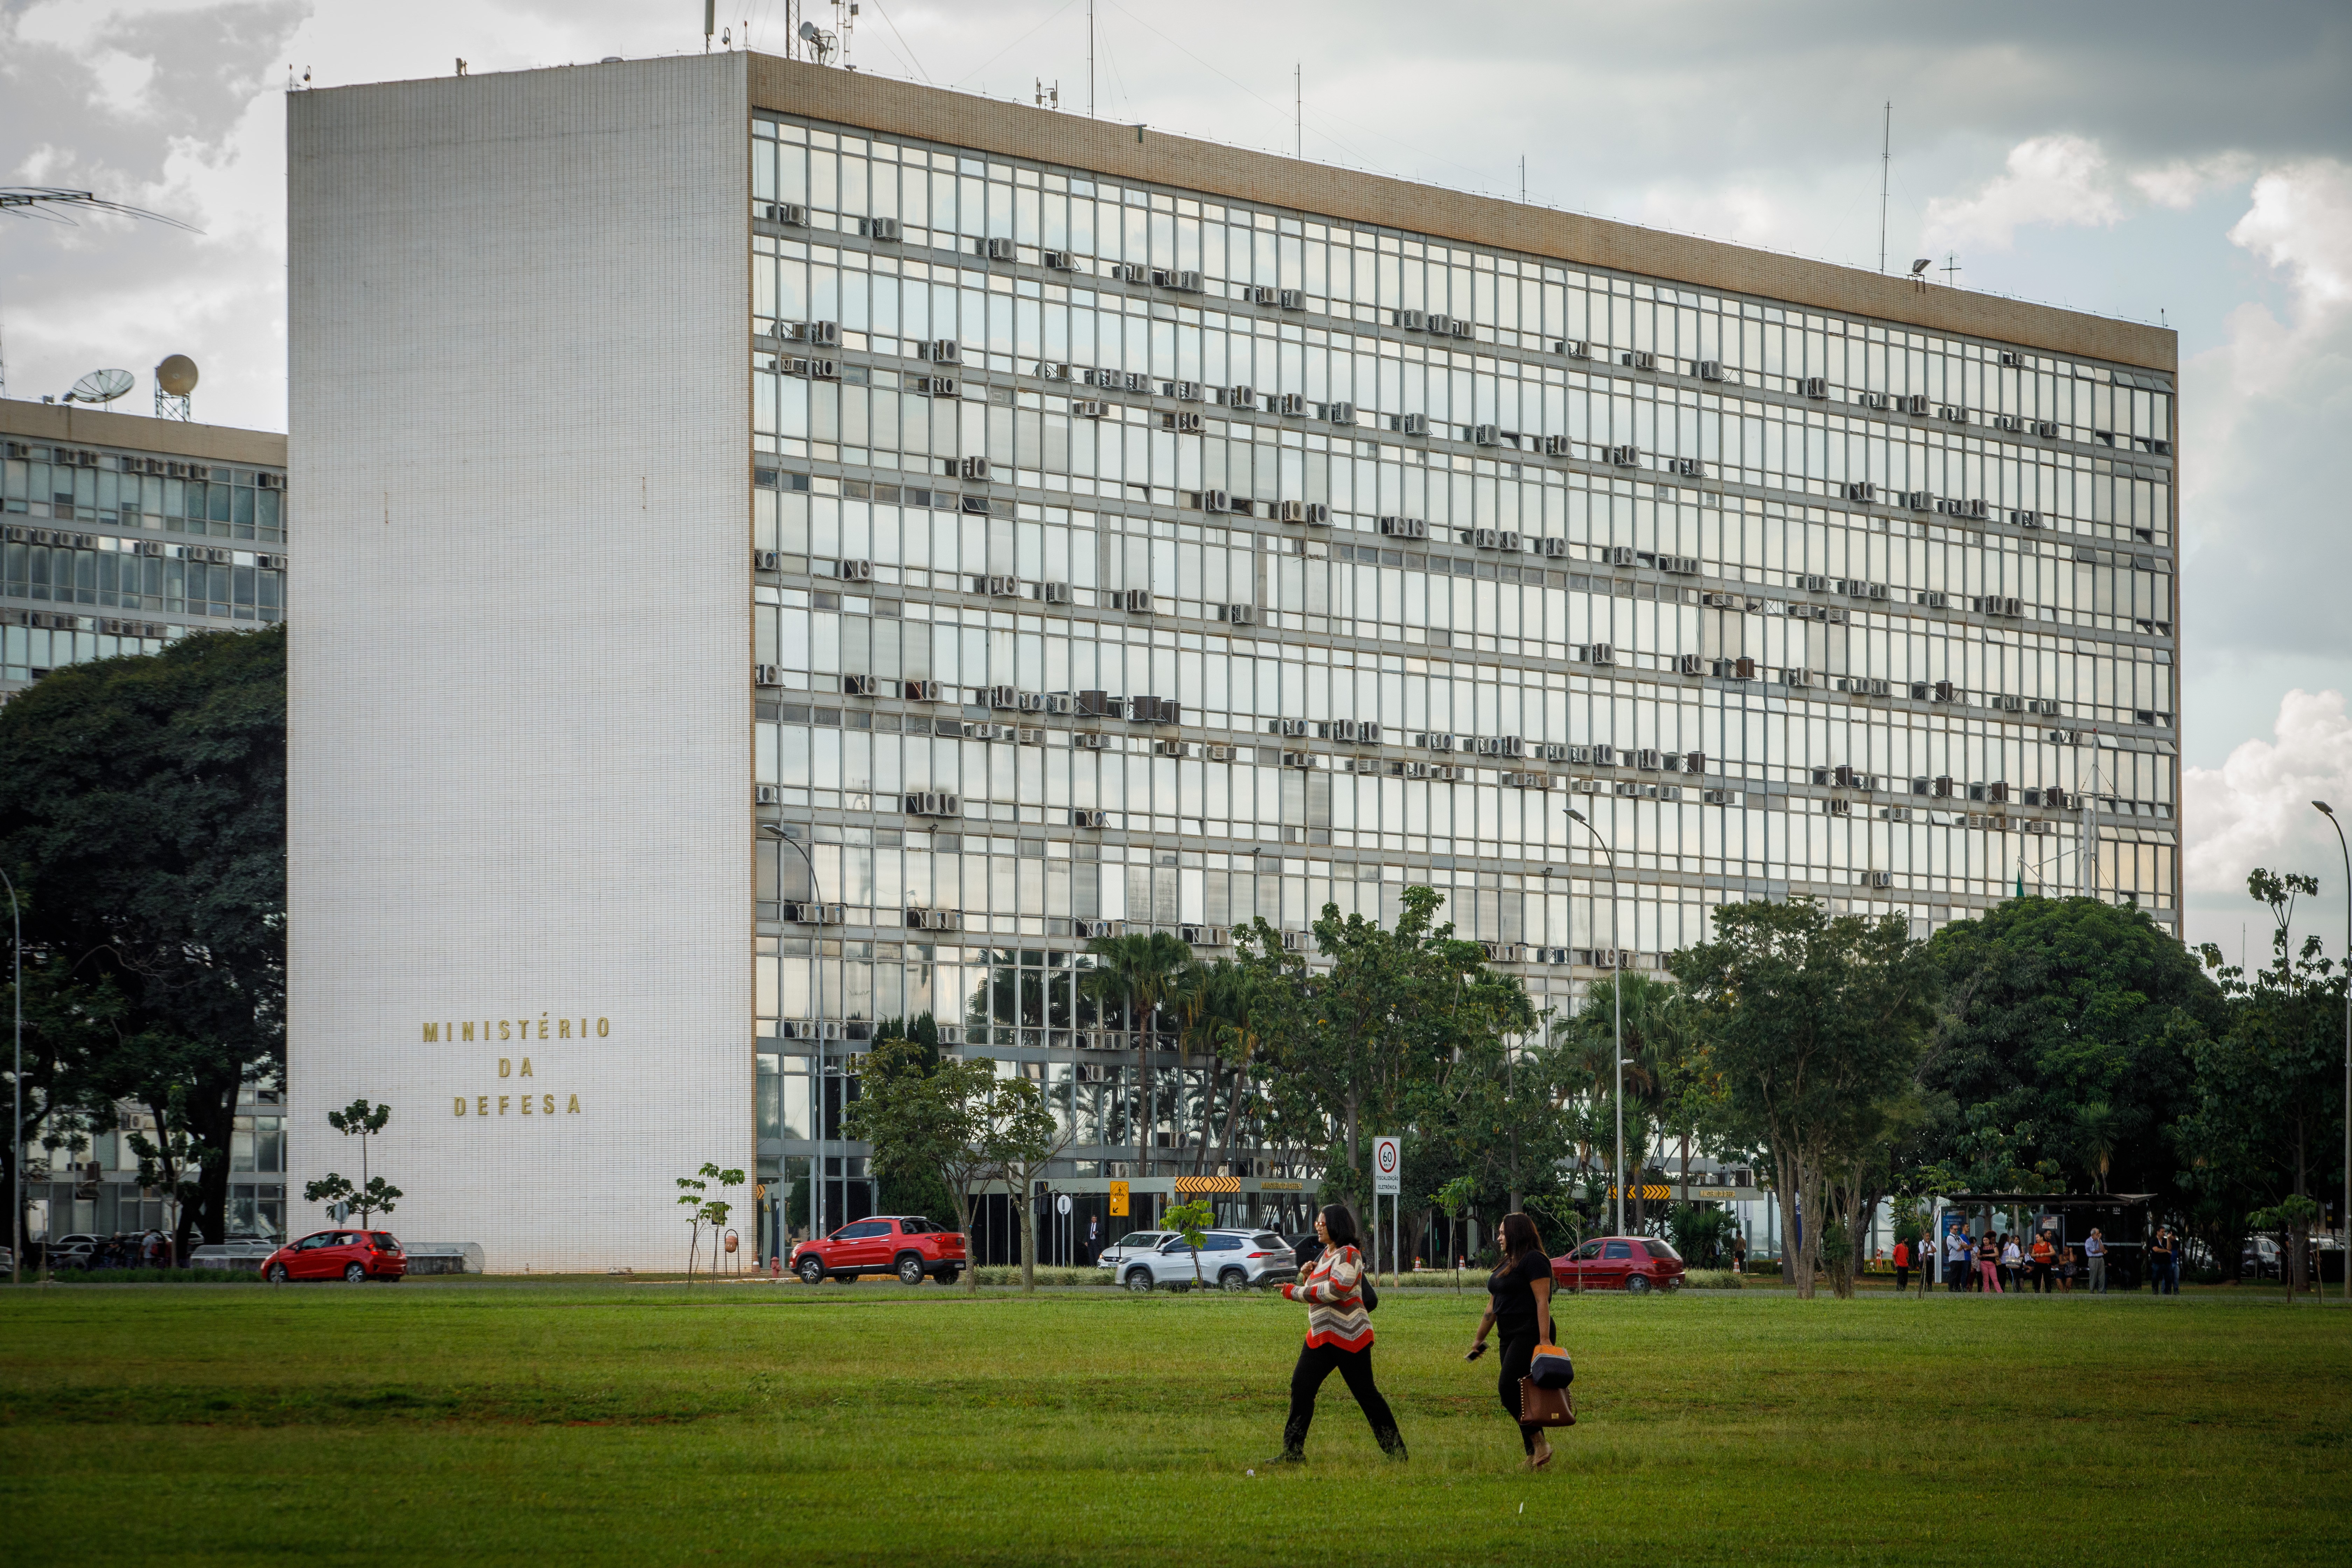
(906, 1245)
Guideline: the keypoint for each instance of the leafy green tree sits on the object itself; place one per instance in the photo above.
(143, 815)
(927, 1118)
(1019, 1137)
(2292, 1217)
(701, 1209)
(2266, 1117)
(361, 1120)
(1137, 974)
(1812, 1021)
(1191, 1221)
(2055, 1062)
(1456, 1198)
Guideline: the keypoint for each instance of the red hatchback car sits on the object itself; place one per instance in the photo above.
(352, 1255)
(1633, 1264)
(903, 1245)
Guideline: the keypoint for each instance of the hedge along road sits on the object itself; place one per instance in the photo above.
(499, 1420)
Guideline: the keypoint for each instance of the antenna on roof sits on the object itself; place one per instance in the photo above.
(1885, 167)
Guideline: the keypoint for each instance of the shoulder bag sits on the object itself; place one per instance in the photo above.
(1546, 1406)
(1550, 1369)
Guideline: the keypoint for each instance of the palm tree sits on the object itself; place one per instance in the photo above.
(1654, 1038)
(1140, 973)
(2100, 1130)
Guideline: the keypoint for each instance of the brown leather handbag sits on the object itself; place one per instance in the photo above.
(1546, 1406)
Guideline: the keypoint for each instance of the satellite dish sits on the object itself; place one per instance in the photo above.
(176, 375)
(809, 31)
(100, 386)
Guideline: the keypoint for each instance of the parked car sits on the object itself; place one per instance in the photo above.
(1633, 1264)
(342, 1254)
(1134, 1244)
(906, 1245)
(75, 1251)
(1232, 1260)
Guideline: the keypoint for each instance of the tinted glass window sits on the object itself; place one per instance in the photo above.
(1222, 1243)
(1139, 1238)
(1617, 1249)
(857, 1232)
(386, 1240)
(1663, 1250)
(1267, 1239)
(1589, 1250)
(917, 1227)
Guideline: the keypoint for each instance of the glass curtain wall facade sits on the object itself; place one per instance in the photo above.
(1131, 558)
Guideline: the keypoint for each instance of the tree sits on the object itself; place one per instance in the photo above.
(1191, 1221)
(1812, 1022)
(1137, 974)
(361, 1120)
(701, 1209)
(1019, 1137)
(2265, 1118)
(926, 1118)
(142, 816)
(2055, 1062)
(1455, 1199)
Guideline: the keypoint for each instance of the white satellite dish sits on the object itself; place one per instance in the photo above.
(100, 386)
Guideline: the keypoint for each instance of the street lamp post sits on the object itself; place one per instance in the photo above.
(2344, 1214)
(775, 830)
(17, 1149)
(1617, 997)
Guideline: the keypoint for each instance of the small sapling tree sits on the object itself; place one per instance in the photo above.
(1191, 1221)
(701, 1209)
(372, 1194)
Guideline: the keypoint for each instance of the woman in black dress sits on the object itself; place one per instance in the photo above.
(1519, 1305)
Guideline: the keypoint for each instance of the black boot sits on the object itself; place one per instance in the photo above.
(1294, 1445)
(1391, 1442)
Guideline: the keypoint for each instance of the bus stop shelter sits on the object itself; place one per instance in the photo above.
(2120, 1218)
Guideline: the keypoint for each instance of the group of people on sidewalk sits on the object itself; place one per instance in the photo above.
(1340, 1300)
(2001, 1262)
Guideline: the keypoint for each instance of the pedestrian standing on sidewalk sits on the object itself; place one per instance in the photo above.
(2094, 1253)
(2043, 1256)
(1988, 1266)
(2012, 1262)
(1339, 1338)
(1519, 1308)
(1902, 1266)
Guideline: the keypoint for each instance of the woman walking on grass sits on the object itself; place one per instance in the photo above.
(1519, 1305)
(1339, 1338)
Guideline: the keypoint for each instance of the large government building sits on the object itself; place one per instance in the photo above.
(790, 548)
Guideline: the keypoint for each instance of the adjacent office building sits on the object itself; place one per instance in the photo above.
(734, 469)
(120, 533)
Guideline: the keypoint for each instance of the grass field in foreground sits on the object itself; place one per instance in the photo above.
(504, 1420)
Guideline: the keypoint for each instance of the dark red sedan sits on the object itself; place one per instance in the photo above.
(1633, 1264)
(352, 1255)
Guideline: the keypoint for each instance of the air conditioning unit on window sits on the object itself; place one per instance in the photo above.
(974, 469)
(931, 920)
(856, 571)
(1603, 653)
(1184, 282)
(1216, 754)
(1090, 740)
(885, 228)
(822, 334)
(1088, 817)
(1952, 414)
(1573, 348)
(942, 350)
(1167, 748)
(1688, 467)
(1290, 402)
(1413, 424)
(859, 686)
(1216, 500)
(1691, 664)
(930, 803)
(1816, 386)
(1919, 501)
(1291, 299)
(998, 249)
(1058, 260)
(766, 795)
(1290, 512)
(2046, 428)
(1709, 370)
(1088, 409)
(1411, 320)
(1004, 697)
(1681, 565)
(1625, 457)
(920, 690)
(1135, 600)
(1340, 413)
(1053, 593)
(2009, 422)
(791, 212)
(2021, 517)
(767, 560)
(1639, 359)
(1404, 528)
(1243, 397)
(766, 675)
(1001, 587)
(1183, 421)
(1260, 294)
(1486, 435)
(1240, 615)
(1131, 272)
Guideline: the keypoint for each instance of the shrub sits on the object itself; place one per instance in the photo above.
(1010, 1274)
(1711, 1279)
(157, 1276)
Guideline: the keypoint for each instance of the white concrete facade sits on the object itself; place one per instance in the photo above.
(520, 731)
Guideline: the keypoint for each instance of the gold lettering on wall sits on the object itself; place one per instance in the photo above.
(469, 1028)
(461, 1105)
(481, 1105)
(506, 1068)
(502, 1104)
(432, 1034)
(525, 1068)
(573, 1106)
(564, 1028)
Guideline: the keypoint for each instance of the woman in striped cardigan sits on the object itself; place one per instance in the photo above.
(1339, 1338)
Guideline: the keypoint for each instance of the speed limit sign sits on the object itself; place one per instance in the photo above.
(1387, 1160)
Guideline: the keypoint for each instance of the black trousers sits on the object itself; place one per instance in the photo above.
(1317, 1362)
(1518, 1355)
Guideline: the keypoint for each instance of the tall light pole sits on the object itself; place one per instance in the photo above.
(17, 1149)
(775, 830)
(2344, 1214)
(1617, 997)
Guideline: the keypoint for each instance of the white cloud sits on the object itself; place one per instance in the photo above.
(2047, 180)
(2182, 183)
(2255, 808)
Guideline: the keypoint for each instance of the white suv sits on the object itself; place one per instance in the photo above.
(1134, 1244)
(1232, 1260)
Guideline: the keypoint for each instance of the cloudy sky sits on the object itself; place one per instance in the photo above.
(2160, 160)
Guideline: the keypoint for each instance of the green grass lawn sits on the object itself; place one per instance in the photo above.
(575, 1421)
